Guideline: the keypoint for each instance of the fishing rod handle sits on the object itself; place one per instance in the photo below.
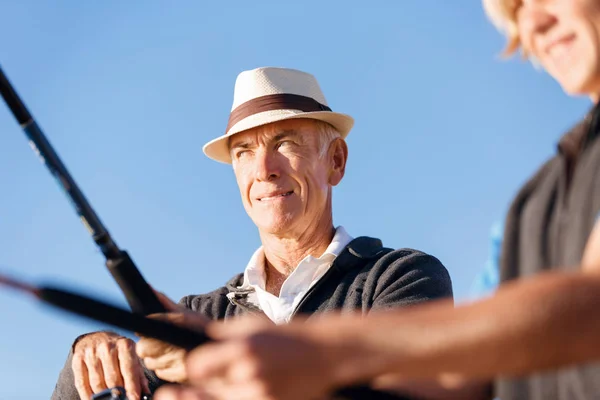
(138, 293)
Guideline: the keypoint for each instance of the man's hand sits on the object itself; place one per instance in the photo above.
(256, 360)
(102, 360)
(166, 360)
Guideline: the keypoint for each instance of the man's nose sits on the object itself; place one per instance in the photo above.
(538, 16)
(267, 166)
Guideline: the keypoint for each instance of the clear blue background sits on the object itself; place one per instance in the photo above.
(128, 92)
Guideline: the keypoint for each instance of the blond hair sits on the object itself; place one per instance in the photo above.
(503, 15)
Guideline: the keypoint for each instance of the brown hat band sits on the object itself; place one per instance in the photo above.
(282, 101)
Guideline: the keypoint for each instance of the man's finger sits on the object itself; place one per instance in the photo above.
(143, 380)
(211, 360)
(153, 363)
(161, 362)
(80, 374)
(172, 373)
(169, 304)
(186, 318)
(110, 365)
(172, 392)
(95, 372)
(130, 368)
(150, 347)
(240, 327)
(225, 391)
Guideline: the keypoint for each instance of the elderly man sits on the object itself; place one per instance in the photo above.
(537, 338)
(287, 150)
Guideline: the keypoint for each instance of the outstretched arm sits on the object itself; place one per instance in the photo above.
(523, 328)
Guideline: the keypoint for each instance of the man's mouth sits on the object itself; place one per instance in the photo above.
(275, 196)
(561, 46)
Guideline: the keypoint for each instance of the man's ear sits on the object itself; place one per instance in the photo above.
(338, 156)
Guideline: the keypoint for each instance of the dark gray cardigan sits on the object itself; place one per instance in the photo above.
(365, 276)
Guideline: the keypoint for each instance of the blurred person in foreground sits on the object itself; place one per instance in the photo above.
(536, 338)
(287, 149)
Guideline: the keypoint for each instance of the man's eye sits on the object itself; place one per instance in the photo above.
(241, 153)
(285, 143)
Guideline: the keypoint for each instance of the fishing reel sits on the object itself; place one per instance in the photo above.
(116, 393)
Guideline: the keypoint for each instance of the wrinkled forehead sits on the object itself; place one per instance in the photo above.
(275, 131)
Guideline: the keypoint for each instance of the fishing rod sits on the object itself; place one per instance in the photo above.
(139, 295)
(101, 311)
(181, 336)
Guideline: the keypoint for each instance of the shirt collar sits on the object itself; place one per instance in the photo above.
(254, 274)
(572, 143)
(339, 241)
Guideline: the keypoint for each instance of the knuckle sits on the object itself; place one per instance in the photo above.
(89, 354)
(104, 348)
(125, 344)
(76, 360)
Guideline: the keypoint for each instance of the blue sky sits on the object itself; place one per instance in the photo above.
(128, 92)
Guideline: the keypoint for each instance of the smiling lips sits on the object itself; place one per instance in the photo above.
(560, 45)
(274, 196)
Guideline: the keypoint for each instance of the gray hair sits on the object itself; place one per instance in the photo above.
(327, 134)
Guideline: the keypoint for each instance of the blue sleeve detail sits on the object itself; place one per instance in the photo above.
(488, 280)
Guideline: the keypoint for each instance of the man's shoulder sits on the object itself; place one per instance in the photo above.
(388, 260)
(368, 247)
(407, 259)
(393, 277)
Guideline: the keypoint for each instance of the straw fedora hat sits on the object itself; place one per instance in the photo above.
(268, 94)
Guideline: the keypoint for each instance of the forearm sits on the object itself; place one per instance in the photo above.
(434, 389)
(546, 322)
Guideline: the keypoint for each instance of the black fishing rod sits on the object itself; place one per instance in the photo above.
(181, 336)
(138, 293)
(99, 310)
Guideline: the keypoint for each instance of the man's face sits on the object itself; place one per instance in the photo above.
(564, 36)
(284, 183)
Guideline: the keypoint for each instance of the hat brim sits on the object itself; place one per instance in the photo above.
(218, 149)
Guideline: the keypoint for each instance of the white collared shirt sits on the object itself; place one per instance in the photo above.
(307, 273)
